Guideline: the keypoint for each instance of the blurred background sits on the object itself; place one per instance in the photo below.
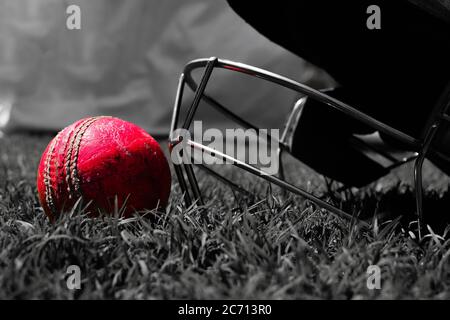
(126, 59)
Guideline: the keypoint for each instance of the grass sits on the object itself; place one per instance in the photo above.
(274, 248)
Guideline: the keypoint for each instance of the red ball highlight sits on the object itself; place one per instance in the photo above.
(99, 159)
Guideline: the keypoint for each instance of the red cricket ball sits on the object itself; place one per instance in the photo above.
(99, 159)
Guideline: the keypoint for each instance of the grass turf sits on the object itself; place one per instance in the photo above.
(274, 248)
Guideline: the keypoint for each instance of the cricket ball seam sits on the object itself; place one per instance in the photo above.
(47, 175)
(72, 179)
(68, 154)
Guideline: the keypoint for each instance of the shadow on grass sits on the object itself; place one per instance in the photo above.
(396, 201)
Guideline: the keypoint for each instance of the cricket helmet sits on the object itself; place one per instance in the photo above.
(184, 149)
